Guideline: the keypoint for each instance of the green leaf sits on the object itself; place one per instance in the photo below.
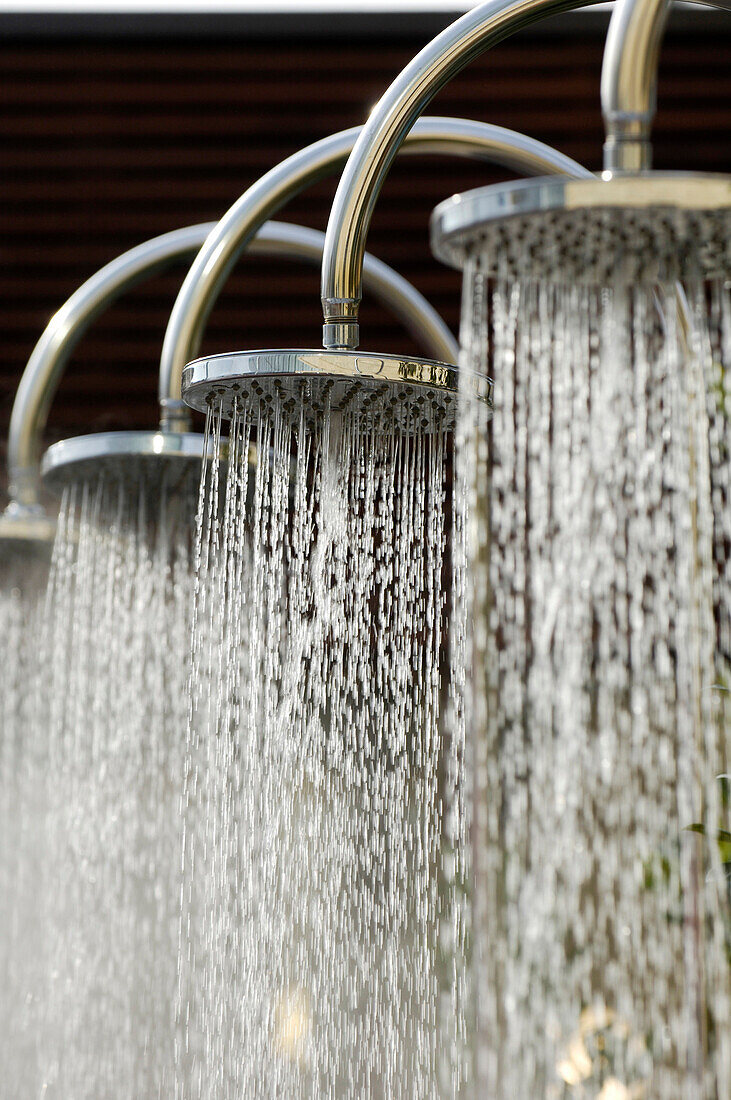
(723, 838)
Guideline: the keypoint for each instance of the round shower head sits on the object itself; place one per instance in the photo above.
(381, 391)
(166, 462)
(651, 228)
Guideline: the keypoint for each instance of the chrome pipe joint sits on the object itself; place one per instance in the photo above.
(25, 517)
(217, 378)
(628, 87)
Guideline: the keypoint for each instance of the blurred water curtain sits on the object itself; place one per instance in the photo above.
(598, 587)
(599, 566)
(313, 937)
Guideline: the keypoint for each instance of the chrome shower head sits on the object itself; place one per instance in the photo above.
(382, 390)
(379, 392)
(657, 227)
(396, 115)
(164, 464)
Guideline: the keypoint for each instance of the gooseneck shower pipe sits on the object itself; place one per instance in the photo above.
(205, 279)
(47, 362)
(629, 83)
(627, 90)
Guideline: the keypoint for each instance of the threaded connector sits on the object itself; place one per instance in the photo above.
(174, 415)
(340, 334)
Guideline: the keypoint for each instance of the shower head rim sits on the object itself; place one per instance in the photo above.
(230, 373)
(317, 363)
(456, 220)
(66, 460)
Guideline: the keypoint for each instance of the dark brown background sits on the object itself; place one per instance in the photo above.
(115, 131)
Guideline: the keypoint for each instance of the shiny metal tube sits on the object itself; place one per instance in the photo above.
(629, 81)
(402, 299)
(49, 357)
(382, 136)
(211, 267)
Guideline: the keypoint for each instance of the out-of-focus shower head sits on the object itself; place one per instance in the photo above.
(380, 392)
(25, 519)
(655, 227)
(162, 463)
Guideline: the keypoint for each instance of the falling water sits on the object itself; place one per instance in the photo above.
(599, 555)
(22, 584)
(116, 638)
(323, 925)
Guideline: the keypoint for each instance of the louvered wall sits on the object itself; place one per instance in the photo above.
(107, 142)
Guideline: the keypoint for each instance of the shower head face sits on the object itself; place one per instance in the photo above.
(166, 463)
(381, 392)
(651, 228)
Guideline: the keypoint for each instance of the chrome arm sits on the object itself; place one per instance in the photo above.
(49, 357)
(46, 364)
(388, 125)
(629, 81)
(403, 300)
(387, 128)
(211, 267)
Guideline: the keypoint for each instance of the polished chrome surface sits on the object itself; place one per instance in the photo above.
(568, 227)
(50, 355)
(382, 390)
(388, 126)
(402, 299)
(461, 137)
(52, 352)
(166, 460)
(629, 82)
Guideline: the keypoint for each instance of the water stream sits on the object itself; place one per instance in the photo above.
(22, 763)
(599, 565)
(246, 870)
(322, 940)
(116, 636)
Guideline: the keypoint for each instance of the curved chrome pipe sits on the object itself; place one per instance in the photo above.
(49, 357)
(387, 128)
(461, 137)
(402, 299)
(629, 81)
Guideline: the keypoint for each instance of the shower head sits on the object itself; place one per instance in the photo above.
(656, 227)
(164, 462)
(25, 519)
(381, 389)
(396, 116)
